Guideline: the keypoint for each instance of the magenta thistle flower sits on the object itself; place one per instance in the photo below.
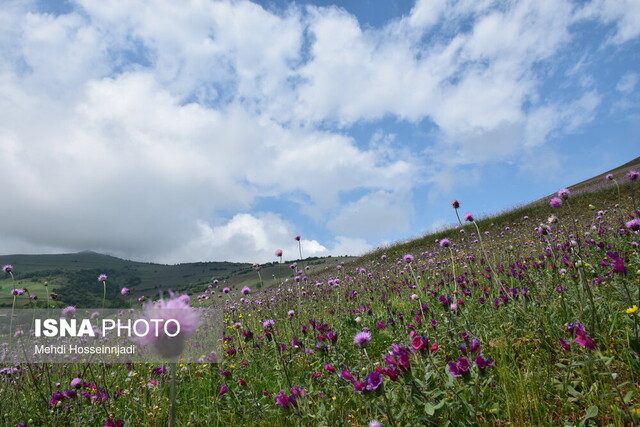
(362, 339)
(468, 217)
(555, 202)
(102, 278)
(445, 243)
(179, 320)
(246, 290)
(7, 268)
(297, 237)
(483, 363)
(76, 383)
(564, 193)
(226, 290)
(609, 176)
(408, 258)
(633, 175)
(455, 204)
(125, 291)
(278, 253)
(69, 311)
(634, 224)
(17, 292)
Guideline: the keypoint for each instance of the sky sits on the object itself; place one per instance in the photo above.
(198, 130)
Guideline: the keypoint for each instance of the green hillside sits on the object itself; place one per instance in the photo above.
(73, 277)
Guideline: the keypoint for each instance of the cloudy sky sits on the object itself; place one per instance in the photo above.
(177, 131)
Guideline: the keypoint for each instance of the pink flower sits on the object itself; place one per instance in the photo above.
(178, 322)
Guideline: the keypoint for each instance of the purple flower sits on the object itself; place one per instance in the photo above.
(17, 292)
(297, 237)
(178, 321)
(125, 291)
(362, 339)
(102, 278)
(408, 258)
(445, 243)
(455, 204)
(483, 363)
(459, 368)
(555, 202)
(69, 311)
(564, 193)
(373, 381)
(285, 401)
(76, 382)
(226, 290)
(114, 423)
(609, 176)
(468, 217)
(634, 224)
(278, 253)
(585, 340)
(633, 175)
(223, 390)
(246, 290)
(7, 268)
(564, 344)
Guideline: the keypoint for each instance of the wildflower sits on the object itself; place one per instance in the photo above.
(420, 343)
(564, 193)
(285, 401)
(17, 292)
(362, 339)
(177, 309)
(76, 382)
(223, 390)
(7, 268)
(468, 217)
(585, 340)
(455, 204)
(631, 309)
(226, 290)
(408, 258)
(246, 290)
(102, 278)
(483, 363)
(555, 202)
(373, 381)
(125, 291)
(297, 237)
(375, 423)
(633, 175)
(114, 423)
(69, 311)
(278, 253)
(634, 224)
(291, 313)
(445, 243)
(461, 367)
(609, 176)
(329, 367)
(564, 344)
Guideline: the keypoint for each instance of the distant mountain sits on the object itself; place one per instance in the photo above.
(74, 277)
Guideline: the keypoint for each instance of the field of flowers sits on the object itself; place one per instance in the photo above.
(527, 318)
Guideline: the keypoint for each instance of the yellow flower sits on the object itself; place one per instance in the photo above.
(632, 310)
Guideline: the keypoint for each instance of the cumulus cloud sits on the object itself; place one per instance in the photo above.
(151, 130)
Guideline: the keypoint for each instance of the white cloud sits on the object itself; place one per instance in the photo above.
(623, 14)
(376, 215)
(255, 237)
(627, 82)
(135, 127)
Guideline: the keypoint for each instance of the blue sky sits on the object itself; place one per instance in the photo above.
(199, 130)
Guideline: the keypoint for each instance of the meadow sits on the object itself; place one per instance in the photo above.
(529, 317)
